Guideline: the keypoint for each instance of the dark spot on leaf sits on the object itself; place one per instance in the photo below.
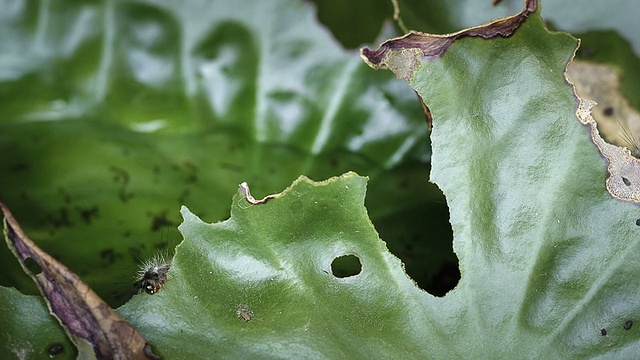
(189, 169)
(638, 222)
(603, 332)
(626, 181)
(121, 177)
(627, 325)
(346, 266)
(191, 179)
(88, 214)
(126, 233)
(32, 266)
(160, 220)
(108, 257)
(608, 111)
(55, 349)
(63, 219)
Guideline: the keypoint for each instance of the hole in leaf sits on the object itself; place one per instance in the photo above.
(419, 232)
(608, 111)
(603, 332)
(32, 266)
(638, 222)
(628, 324)
(626, 181)
(346, 266)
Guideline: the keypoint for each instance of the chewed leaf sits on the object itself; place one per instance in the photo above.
(94, 327)
(549, 259)
(262, 283)
(402, 55)
(623, 170)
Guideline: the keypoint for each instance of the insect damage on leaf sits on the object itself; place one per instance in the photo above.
(618, 121)
(623, 147)
(623, 169)
(402, 55)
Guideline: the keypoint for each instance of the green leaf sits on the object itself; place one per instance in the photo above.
(114, 114)
(28, 331)
(272, 263)
(548, 258)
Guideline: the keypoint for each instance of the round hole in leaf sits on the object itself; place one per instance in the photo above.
(626, 181)
(628, 324)
(638, 222)
(346, 266)
(33, 266)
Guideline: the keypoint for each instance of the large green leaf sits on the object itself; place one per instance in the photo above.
(548, 257)
(114, 114)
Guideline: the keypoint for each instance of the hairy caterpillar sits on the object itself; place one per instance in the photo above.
(153, 274)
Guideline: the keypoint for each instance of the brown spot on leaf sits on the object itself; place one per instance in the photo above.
(623, 169)
(244, 312)
(426, 111)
